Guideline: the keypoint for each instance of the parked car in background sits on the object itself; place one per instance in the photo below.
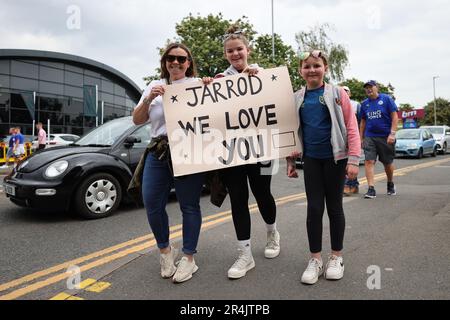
(442, 136)
(58, 139)
(90, 177)
(415, 143)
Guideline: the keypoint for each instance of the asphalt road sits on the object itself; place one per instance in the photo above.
(395, 247)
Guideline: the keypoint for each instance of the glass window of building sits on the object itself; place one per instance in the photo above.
(4, 66)
(50, 87)
(73, 78)
(24, 69)
(24, 84)
(51, 74)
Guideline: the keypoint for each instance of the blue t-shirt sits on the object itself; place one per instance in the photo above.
(377, 114)
(316, 125)
(21, 138)
(12, 141)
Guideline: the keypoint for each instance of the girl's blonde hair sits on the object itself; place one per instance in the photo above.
(233, 33)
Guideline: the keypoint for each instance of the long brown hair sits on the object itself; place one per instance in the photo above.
(190, 72)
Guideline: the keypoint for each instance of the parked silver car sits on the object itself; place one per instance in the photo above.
(442, 136)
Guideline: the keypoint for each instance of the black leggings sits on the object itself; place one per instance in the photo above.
(235, 179)
(324, 180)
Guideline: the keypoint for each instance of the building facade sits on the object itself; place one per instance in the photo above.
(41, 86)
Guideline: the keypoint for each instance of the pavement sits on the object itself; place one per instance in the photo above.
(396, 247)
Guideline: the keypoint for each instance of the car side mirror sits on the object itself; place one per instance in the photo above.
(131, 140)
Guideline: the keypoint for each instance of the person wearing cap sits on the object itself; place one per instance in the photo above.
(352, 185)
(378, 126)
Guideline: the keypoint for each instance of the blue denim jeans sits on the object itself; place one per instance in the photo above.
(157, 181)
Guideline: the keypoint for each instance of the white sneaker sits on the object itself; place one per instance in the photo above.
(313, 271)
(243, 264)
(272, 249)
(335, 268)
(185, 270)
(167, 261)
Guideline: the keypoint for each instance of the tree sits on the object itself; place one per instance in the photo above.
(405, 107)
(442, 112)
(284, 56)
(357, 88)
(204, 36)
(317, 38)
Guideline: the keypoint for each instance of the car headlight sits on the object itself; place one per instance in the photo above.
(412, 146)
(56, 169)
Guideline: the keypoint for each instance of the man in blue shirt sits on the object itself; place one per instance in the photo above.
(378, 125)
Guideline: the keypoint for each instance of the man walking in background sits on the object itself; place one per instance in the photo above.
(378, 126)
(42, 136)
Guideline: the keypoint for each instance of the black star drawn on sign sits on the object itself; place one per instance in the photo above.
(274, 77)
(174, 99)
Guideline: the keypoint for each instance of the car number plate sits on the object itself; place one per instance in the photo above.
(11, 190)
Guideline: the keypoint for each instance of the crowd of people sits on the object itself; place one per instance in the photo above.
(332, 129)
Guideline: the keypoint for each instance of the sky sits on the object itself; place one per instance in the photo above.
(405, 43)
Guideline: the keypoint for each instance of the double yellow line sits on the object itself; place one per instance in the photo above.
(31, 283)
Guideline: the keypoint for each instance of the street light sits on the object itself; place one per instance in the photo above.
(434, 94)
(273, 37)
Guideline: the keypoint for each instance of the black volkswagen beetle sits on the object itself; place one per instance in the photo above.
(90, 176)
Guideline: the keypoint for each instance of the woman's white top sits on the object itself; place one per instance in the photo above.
(156, 110)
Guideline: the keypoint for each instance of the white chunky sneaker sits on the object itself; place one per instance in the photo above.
(167, 261)
(335, 268)
(243, 264)
(272, 249)
(313, 271)
(185, 270)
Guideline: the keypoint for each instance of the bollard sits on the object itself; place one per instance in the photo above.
(28, 150)
(2, 153)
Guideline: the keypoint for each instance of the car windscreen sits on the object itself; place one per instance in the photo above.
(106, 134)
(408, 134)
(436, 130)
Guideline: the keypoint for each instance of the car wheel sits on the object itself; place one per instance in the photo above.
(444, 148)
(420, 154)
(434, 152)
(98, 196)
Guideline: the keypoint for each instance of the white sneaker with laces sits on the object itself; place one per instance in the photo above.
(167, 261)
(185, 270)
(243, 264)
(313, 271)
(272, 249)
(335, 268)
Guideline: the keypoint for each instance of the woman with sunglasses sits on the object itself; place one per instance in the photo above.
(237, 51)
(330, 146)
(177, 66)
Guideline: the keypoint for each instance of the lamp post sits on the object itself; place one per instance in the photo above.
(273, 37)
(434, 95)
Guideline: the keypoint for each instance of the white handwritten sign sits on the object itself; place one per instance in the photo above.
(235, 120)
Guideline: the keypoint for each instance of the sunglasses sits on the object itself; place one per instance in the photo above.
(229, 35)
(306, 54)
(181, 59)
